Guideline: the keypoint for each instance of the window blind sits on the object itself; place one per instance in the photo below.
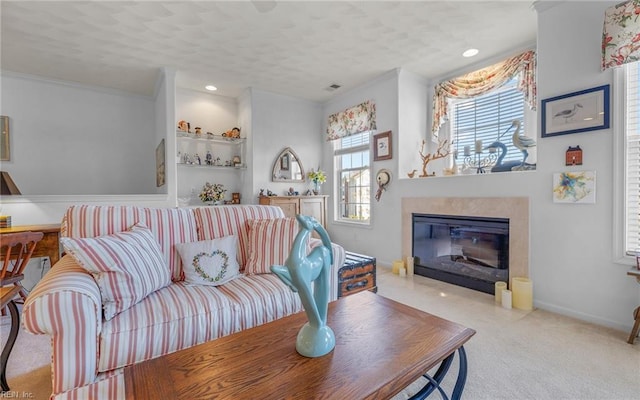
(632, 160)
(487, 118)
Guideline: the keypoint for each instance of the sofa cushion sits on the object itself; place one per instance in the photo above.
(127, 266)
(169, 226)
(217, 222)
(173, 318)
(210, 262)
(259, 299)
(270, 242)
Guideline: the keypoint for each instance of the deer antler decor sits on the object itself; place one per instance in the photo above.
(443, 150)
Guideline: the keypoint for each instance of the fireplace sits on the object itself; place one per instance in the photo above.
(468, 251)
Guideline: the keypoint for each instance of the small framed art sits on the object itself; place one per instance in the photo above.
(382, 149)
(5, 149)
(583, 111)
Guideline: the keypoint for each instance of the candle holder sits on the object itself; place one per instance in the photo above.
(479, 162)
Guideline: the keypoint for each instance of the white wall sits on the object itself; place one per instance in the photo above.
(571, 261)
(278, 122)
(68, 139)
(382, 238)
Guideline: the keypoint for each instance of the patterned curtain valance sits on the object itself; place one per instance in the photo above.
(621, 34)
(482, 81)
(353, 120)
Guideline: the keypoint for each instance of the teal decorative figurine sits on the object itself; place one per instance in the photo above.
(300, 273)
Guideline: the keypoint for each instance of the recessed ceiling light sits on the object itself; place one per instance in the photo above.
(211, 87)
(470, 53)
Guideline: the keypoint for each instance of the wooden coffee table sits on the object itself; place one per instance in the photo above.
(381, 348)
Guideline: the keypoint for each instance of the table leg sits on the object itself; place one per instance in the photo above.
(434, 382)
(636, 326)
(13, 334)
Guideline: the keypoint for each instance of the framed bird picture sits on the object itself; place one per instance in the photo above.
(583, 111)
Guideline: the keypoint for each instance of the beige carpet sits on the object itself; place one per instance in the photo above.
(514, 354)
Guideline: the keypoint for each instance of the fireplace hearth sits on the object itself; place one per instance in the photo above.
(468, 251)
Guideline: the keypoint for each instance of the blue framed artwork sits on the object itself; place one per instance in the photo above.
(583, 111)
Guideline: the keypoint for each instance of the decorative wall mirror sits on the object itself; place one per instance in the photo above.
(287, 167)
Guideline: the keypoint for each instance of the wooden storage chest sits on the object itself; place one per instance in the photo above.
(358, 273)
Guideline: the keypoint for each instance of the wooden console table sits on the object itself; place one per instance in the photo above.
(49, 246)
(381, 347)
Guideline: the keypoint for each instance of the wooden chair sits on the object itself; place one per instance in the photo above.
(15, 252)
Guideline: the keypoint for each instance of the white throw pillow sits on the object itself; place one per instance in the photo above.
(210, 262)
(127, 266)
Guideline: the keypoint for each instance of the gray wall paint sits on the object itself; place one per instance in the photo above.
(100, 141)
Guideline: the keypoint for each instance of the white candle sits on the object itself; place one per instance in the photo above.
(467, 150)
(478, 146)
(499, 287)
(410, 266)
(522, 293)
(506, 298)
(403, 272)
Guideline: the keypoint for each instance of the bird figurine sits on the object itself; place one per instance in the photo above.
(566, 114)
(522, 142)
(412, 173)
(501, 166)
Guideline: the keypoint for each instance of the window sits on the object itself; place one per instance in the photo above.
(352, 166)
(486, 118)
(628, 154)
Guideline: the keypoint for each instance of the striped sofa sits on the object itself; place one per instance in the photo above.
(89, 352)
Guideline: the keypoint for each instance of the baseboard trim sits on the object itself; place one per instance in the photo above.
(583, 316)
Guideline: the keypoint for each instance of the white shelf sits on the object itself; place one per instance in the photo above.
(209, 138)
(211, 166)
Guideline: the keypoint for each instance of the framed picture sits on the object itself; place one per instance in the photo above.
(5, 150)
(382, 146)
(574, 187)
(160, 166)
(284, 162)
(583, 111)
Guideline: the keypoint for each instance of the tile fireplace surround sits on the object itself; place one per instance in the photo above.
(516, 209)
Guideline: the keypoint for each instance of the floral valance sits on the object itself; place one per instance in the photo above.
(621, 34)
(482, 81)
(353, 120)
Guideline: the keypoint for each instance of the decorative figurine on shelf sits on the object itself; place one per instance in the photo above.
(310, 276)
(197, 159)
(232, 133)
(442, 151)
(184, 126)
(218, 162)
(236, 161)
(261, 193)
(210, 135)
(198, 131)
(523, 143)
(208, 158)
(501, 166)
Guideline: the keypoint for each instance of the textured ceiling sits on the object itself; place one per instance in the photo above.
(297, 48)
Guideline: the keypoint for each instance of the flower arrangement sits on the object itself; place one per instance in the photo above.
(317, 176)
(212, 192)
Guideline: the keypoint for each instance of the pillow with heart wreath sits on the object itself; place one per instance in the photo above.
(210, 262)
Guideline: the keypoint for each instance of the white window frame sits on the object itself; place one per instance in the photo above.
(529, 128)
(619, 170)
(337, 217)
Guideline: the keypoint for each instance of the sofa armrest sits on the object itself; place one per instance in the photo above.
(339, 255)
(66, 304)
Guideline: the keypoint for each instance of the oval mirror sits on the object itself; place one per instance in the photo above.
(287, 167)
